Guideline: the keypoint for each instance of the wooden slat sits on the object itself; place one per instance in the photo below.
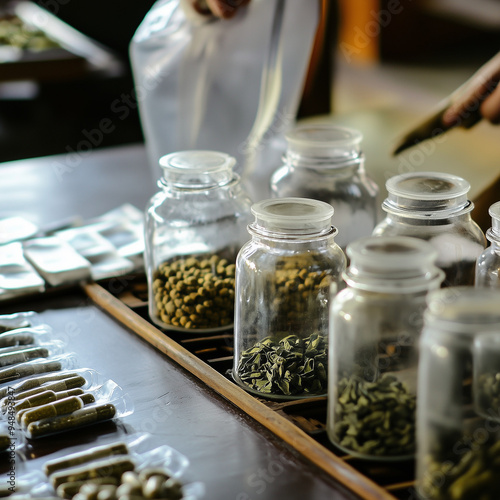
(286, 430)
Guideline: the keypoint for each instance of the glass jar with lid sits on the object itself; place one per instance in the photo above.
(195, 226)
(433, 206)
(488, 263)
(283, 279)
(458, 416)
(325, 162)
(375, 324)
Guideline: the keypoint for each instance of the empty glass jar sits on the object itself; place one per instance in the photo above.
(375, 324)
(194, 228)
(283, 279)
(488, 263)
(433, 206)
(325, 162)
(458, 416)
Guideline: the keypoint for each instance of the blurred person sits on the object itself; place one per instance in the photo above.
(480, 93)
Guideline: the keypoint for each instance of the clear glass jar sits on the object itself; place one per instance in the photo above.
(375, 324)
(283, 277)
(195, 226)
(324, 162)
(433, 206)
(458, 416)
(488, 263)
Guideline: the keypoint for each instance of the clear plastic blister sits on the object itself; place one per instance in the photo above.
(25, 336)
(29, 393)
(37, 366)
(131, 461)
(109, 402)
(15, 355)
(18, 320)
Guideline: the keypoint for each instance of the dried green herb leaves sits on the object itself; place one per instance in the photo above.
(469, 475)
(375, 418)
(195, 292)
(291, 366)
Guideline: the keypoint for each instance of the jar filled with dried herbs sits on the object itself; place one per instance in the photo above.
(458, 418)
(283, 277)
(375, 324)
(488, 263)
(325, 162)
(195, 226)
(433, 206)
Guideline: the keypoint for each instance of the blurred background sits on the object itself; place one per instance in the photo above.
(389, 60)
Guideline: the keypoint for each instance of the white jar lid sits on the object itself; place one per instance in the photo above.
(293, 215)
(392, 263)
(427, 195)
(324, 140)
(197, 168)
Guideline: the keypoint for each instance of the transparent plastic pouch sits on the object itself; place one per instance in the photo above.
(33, 335)
(110, 402)
(37, 366)
(132, 459)
(18, 320)
(232, 86)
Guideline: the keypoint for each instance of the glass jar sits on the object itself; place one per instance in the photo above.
(458, 416)
(283, 277)
(433, 206)
(324, 162)
(375, 324)
(488, 263)
(195, 226)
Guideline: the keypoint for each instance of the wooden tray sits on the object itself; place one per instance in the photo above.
(301, 424)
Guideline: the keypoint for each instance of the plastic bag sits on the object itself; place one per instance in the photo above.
(232, 86)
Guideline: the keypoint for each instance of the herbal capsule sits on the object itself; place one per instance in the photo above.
(26, 369)
(83, 457)
(35, 400)
(127, 488)
(70, 489)
(34, 382)
(13, 338)
(107, 493)
(75, 420)
(59, 395)
(145, 474)
(16, 348)
(111, 466)
(15, 358)
(172, 489)
(58, 385)
(60, 407)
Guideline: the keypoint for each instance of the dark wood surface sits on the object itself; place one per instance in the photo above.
(234, 456)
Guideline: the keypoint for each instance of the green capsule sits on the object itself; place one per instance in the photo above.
(79, 418)
(59, 407)
(113, 466)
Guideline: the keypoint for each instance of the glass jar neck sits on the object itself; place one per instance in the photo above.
(350, 162)
(429, 218)
(260, 232)
(199, 182)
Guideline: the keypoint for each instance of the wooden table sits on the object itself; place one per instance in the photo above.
(233, 455)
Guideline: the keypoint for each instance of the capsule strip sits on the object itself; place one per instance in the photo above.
(110, 466)
(83, 457)
(26, 369)
(15, 358)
